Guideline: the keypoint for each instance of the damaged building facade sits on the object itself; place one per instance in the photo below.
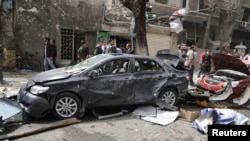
(24, 24)
(232, 14)
(27, 22)
(68, 22)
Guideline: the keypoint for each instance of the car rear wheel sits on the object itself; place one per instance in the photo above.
(168, 97)
(66, 105)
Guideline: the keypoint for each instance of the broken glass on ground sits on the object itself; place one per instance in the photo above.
(155, 115)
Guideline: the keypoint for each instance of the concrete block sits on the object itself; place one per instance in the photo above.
(190, 112)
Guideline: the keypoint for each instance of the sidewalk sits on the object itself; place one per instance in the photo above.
(13, 81)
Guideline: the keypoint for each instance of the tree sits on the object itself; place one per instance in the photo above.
(1, 62)
(228, 11)
(211, 4)
(226, 22)
(1, 48)
(138, 8)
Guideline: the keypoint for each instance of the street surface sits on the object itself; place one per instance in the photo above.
(90, 128)
(122, 128)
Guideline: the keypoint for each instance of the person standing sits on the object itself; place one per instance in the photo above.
(111, 48)
(129, 49)
(83, 51)
(48, 55)
(206, 62)
(200, 61)
(190, 63)
(104, 46)
(98, 48)
(45, 47)
(224, 49)
(53, 51)
(182, 53)
(121, 48)
(246, 59)
(236, 53)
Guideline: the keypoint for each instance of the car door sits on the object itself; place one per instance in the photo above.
(148, 78)
(113, 85)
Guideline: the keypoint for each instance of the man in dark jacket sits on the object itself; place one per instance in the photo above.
(48, 55)
(53, 49)
(83, 51)
(98, 48)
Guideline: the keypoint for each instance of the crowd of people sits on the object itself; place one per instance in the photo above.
(189, 58)
(104, 47)
(50, 51)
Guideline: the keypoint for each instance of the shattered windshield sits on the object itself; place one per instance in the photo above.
(89, 62)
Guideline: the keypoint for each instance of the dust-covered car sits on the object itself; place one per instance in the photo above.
(103, 80)
(227, 86)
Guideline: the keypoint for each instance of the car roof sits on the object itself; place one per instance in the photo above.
(132, 55)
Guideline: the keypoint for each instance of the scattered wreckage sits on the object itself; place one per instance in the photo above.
(9, 107)
(227, 86)
(120, 79)
(7, 110)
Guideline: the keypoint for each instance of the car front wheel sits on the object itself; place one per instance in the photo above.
(168, 97)
(66, 105)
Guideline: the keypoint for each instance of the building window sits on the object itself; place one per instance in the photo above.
(70, 42)
(246, 16)
(202, 5)
(184, 3)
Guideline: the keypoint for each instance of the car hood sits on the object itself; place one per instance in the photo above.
(169, 54)
(51, 75)
(223, 61)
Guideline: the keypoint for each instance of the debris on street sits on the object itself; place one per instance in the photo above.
(7, 110)
(189, 111)
(211, 116)
(33, 131)
(106, 116)
(155, 115)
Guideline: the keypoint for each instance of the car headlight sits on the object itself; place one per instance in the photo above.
(38, 89)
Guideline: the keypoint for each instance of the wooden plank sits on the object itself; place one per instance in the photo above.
(55, 125)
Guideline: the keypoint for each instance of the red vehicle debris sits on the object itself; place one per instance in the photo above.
(227, 86)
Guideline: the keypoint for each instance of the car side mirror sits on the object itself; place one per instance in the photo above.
(93, 73)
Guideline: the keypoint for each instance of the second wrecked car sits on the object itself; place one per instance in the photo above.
(103, 80)
(227, 86)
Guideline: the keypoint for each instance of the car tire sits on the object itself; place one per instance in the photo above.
(168, 97)
(66, 105)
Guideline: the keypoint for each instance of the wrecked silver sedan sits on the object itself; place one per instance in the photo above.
(103, 80)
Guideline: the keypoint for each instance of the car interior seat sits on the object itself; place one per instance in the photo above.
(125, 67)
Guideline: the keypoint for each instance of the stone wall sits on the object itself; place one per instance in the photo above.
(36, 19)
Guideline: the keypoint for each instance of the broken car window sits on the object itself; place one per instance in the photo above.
(142, 65)
(117, 66)
(90, 61)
